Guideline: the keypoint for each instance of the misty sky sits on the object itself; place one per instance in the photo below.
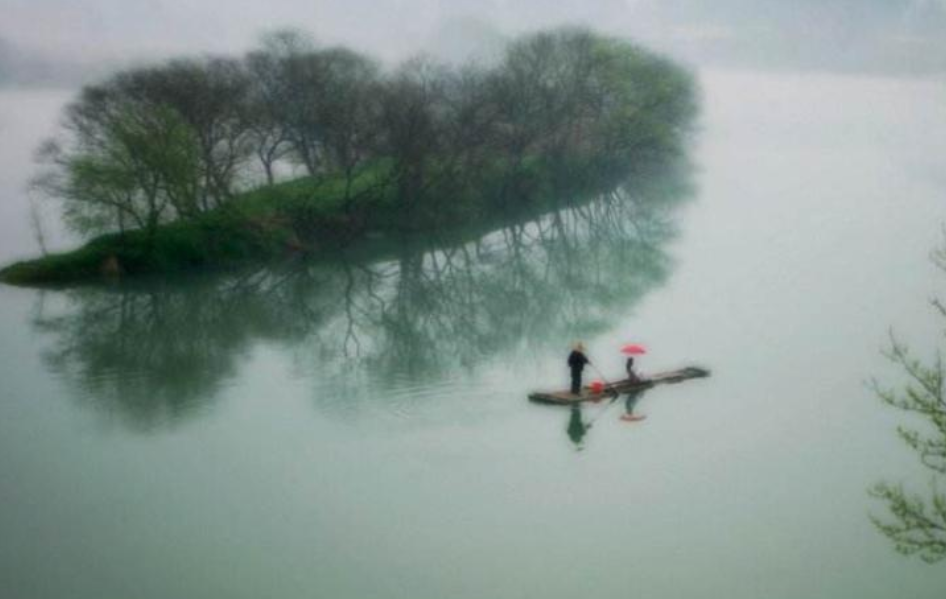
(60, 35)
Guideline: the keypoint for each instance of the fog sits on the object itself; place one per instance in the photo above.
(61, 42)
(356, 425)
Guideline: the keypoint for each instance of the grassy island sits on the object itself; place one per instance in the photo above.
(177, 166)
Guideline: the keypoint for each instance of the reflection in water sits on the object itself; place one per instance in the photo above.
(576, 426)
(630, 402)
(155, 352)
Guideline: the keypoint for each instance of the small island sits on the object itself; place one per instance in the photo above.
(295, 149)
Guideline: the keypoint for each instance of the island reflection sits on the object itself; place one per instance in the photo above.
(153, 353)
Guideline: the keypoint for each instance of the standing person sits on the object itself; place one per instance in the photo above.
(576, 361)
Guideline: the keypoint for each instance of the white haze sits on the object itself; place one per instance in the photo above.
(67, 42)
(64, 43)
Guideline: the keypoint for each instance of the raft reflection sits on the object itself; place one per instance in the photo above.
(155, 353)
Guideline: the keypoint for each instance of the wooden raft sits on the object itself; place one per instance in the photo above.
(566, 397)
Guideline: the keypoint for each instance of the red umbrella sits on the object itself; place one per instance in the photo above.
(633, 349)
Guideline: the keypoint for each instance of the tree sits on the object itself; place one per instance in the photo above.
(469, 126)
(265, 113)
(648, 103)
(209, 95)
(349, 112)
(261, 114)
(412, 120)
(328, 106)
(122, 165)
(569, 94)
(917, 525)
(446, 143)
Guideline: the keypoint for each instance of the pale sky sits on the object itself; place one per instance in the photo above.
(895, 32)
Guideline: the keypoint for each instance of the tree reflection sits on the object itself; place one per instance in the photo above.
(154, 353)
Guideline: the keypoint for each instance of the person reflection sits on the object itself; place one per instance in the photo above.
(630, 402)
(577, 428)
(156, 351)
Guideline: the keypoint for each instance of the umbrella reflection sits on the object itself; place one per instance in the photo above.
(154, 353)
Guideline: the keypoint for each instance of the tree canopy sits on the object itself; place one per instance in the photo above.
(422, 142)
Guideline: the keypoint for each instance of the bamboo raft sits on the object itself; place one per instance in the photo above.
(566, 397)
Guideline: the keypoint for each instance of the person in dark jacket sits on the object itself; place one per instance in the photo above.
(576, 361)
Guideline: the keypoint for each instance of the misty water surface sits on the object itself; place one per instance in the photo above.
(357, 427)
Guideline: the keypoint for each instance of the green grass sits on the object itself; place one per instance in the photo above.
(302, 215)
(210, 241)
(258, 224)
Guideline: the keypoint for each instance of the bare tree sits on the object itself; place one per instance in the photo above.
(209, 96)
(349, 114)
(270, 91)
(413, 121)
(177, 139)
(915, 524)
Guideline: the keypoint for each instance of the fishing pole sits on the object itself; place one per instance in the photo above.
(614, 397)
(603, 410)
(606, 382)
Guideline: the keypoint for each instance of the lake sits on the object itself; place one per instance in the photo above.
(358, 427)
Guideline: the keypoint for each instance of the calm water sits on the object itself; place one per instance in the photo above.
(359, 428)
